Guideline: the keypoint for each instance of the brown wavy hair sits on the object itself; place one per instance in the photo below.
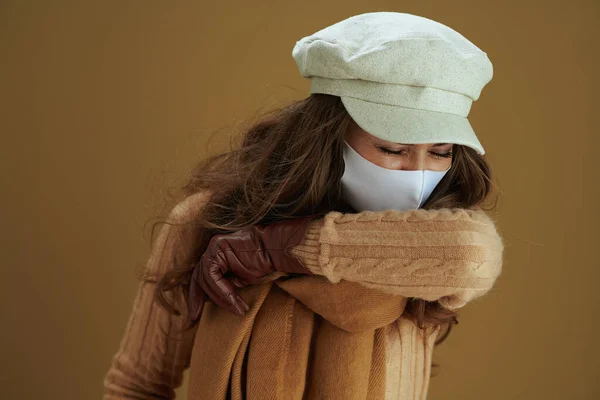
(289, 164)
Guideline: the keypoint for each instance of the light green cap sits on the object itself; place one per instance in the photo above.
(401, 77)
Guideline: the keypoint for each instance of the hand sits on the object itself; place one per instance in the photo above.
(242, 258)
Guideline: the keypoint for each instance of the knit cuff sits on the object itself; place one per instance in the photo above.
(308, 250)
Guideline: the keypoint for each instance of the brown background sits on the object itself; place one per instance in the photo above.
(106, 104)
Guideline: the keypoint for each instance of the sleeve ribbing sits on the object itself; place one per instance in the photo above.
(452, 255)
(153, 355)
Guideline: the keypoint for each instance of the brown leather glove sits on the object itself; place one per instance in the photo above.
(243, 257)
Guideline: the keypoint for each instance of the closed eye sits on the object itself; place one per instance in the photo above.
(401, 152)
(388, 151)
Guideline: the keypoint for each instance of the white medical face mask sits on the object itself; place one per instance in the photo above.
(369, 187)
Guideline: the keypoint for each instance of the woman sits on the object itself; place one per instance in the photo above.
(336, 241)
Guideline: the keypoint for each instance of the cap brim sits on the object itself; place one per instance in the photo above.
(411, 126)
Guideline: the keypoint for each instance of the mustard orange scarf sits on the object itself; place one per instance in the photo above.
(303, 337)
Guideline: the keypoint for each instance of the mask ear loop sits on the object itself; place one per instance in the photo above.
(422, 188)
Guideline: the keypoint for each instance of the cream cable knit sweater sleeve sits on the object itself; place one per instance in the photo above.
(449, 255)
